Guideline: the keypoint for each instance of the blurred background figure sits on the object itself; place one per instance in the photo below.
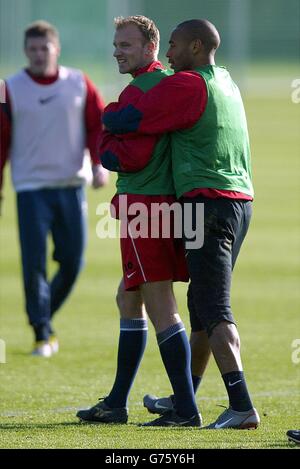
(50, 114)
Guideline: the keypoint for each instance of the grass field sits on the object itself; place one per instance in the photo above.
(39, 397)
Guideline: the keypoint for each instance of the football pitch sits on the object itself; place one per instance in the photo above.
(40, 397)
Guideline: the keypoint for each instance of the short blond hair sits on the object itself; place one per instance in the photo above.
(144, 24)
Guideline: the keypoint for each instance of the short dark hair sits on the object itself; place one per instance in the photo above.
(201, 29)
(40, 28)
(144, 24)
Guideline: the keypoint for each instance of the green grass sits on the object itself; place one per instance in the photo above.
(39, 397)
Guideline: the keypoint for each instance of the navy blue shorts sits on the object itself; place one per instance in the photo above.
(225, 224)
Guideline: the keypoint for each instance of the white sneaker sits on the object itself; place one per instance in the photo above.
(233, 419)
(42, 349)
(54, 344)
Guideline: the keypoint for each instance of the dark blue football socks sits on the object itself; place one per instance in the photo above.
(132, 342)
(238, 395)
(176, 355)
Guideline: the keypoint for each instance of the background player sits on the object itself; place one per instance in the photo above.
(50, 115)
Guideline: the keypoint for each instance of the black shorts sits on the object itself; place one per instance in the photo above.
(225, 224)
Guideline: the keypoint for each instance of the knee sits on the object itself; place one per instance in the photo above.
(33, 280)
(70, 268)
(130, 304)
(120, 300)
(226, 332)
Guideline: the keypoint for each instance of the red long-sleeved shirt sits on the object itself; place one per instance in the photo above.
(133, 151)
(176, 103)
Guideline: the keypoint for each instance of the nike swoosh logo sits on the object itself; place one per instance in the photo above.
(220, 425)
(232, 384)
(47, 100)
(130, 275)
(158, 406)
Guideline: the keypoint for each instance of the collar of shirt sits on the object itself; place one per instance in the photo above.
(148, 68)
(42, 80)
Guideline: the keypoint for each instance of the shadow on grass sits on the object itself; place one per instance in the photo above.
(283, 444)
(49, 426)
(28, 354)
(21, 353)
(31, 426)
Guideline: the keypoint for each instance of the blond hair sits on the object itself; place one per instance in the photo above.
(146, 26)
